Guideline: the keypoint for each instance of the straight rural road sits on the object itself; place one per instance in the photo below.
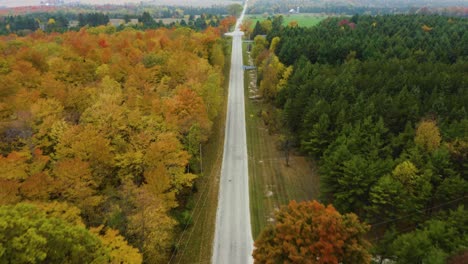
(233, 242)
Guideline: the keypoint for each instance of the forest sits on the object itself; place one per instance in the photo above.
(380, 104)
(369, 7)
(100, 134)
(62, 22)
(117, 11)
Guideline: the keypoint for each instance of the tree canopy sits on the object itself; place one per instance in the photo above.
(235, 9)
(29, 236)
(380, 103)
(110, 123)
(309, 232)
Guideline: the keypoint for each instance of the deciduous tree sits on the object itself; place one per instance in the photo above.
(427, 135)
(29, 236)
(309, 232)
(117, 248)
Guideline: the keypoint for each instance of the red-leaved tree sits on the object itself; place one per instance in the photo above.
(309, 232)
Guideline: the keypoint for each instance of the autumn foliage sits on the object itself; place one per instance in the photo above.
(427, 135)
(107, 123)
(309, 232)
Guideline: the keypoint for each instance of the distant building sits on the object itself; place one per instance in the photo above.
(294, 11)
(116, 22)
(52, 2)
(73, 23)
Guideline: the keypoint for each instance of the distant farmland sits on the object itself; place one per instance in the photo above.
(303, 20)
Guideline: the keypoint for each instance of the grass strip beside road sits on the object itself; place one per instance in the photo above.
(272, 183)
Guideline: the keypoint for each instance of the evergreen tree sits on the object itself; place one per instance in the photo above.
(257, 30)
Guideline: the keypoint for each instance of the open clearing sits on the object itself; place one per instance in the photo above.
(272, 183)
(303, 20)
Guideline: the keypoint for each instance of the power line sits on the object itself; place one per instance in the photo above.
(418, 212)
(403, 217)
(195, 223)
(210, 184)
(397, 233)
(186, 226)
(205, 191)
(412, 227)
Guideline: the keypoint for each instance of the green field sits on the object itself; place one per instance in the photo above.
(303, 20)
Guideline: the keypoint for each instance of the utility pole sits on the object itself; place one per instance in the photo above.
(201, 159)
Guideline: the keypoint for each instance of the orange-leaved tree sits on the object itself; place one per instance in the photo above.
(309, 232)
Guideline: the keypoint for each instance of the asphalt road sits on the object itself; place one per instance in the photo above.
(233, 236)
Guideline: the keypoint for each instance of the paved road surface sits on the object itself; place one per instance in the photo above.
(233, 236)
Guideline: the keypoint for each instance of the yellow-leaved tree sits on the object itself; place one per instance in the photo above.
(427, 135)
